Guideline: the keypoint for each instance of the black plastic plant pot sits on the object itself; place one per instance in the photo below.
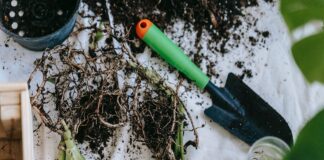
(38, 24)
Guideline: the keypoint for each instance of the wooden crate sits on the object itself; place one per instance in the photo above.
(16, 129)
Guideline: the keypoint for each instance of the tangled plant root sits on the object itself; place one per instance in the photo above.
(87, 94)
(155, 122)
(158, 113)
(85, 91)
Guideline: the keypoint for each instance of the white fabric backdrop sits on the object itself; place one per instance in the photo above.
(278, 81)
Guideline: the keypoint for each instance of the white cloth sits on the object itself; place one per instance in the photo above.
(275, 77)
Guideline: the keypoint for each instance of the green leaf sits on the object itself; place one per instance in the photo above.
(99, 36)
(51, 80)
(309, 52)
(309, 55)
(299, 12)
(310, 141)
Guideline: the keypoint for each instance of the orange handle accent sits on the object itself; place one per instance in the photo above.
(142, 27)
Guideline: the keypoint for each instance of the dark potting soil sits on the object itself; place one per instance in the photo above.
(239, 64)
(227, 22)
(92, 131)
(246, 73)
(98, 7)
(35, 18)
(218, 17)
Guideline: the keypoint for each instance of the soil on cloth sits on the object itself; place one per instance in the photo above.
(218, 17)
(89, 96)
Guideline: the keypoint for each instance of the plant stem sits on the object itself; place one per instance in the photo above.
(179, 141)
(71, 150)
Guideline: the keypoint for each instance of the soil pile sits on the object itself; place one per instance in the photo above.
(218, 17)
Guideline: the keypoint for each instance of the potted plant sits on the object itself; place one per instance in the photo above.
(38, 24)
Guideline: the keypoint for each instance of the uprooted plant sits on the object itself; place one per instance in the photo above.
(158, 115)
(84, 90)
(88, 95)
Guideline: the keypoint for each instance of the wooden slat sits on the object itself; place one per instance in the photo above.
(15, 113)
(8, 112)
(3, 133)
(27, 123)
(11, 120)
(13, 87)
(10, 149)
(9, 98)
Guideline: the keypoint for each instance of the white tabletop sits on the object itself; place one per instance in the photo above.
(276, 78)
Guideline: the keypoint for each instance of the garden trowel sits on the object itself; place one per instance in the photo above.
(235, 107)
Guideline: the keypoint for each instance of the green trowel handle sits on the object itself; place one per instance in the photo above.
(170, 52)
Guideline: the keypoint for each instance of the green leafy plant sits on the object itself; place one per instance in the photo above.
(308, 52)
(309, 56)
(310, 141)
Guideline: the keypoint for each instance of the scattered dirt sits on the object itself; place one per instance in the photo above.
(246, 73)
(253, 41)
(239, 64)
(266, 34)
(270, 1)
(86, 90)
(98, 7)
(35, 18)
(221, 19)
(218, 17)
